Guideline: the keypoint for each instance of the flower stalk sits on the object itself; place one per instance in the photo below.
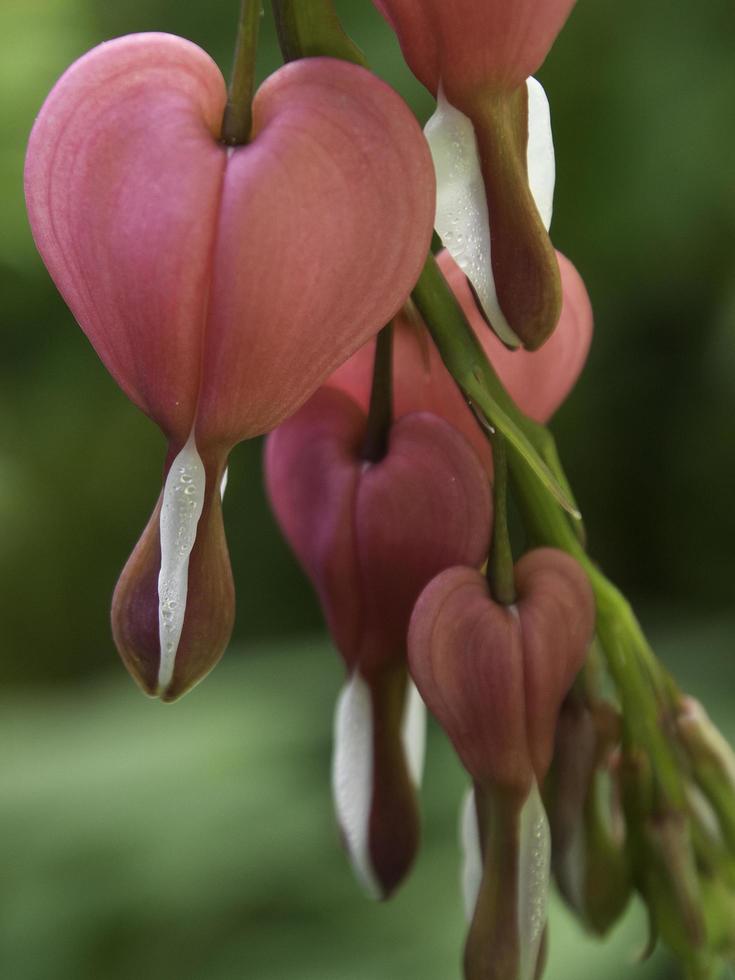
(500, 563)
(237, 119)
(311, 28)
(380, 413)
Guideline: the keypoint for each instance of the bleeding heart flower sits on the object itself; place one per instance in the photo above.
(219, 286)
(492, 147)
(495, 678)
(538, 382)
(371, 535)
(494, 675)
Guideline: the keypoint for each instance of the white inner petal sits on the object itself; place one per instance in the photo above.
(534, 859)
(461, 203)
(469, 839)
(352, 776)
(540, 152)
(181, 508)
(223, 483)
(413, 733)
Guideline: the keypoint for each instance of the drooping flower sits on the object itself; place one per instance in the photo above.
(219, 286)
(538, 382)
(492, 146)
(495, 677)
(589, 859)
(371, 535)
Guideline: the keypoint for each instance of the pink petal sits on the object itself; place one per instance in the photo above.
(371, 536)
(495, 676)
(423, 508)
(123, 178)
(466, 659)
(538, 381)
(556, 607)
(232, 282)
(311, 476)
(471, 44)
(326, 222)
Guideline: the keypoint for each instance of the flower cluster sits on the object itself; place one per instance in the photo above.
(279, 281)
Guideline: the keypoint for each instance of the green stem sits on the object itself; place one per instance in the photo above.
(635, 670)
(500, 564)
(238, 115)
(466, 361)
(380, 413)
(311, 28)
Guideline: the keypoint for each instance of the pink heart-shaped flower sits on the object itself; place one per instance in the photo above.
(370, 535)
(218, 285)
(495, 676)
(492, 146)
(215, 283)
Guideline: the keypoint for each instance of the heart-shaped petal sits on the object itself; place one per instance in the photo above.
(495, 676)
(538, 381)
(556, 613)
(226, 284)
(335, 191)
(372, 535)
(123, 179)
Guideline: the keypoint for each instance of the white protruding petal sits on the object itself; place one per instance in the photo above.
(352, 776)
(413, 733)
(223, 483)
(462, 220)
(534, 860)
(469, 838)
(461, 206)
(540, 152)
(181, 508)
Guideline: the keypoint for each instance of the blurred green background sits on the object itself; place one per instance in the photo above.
(196, 841)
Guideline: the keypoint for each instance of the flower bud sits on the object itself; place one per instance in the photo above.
(713, 764)
(370, 536)
(589, 859)
(663, 858)
(184, 262)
